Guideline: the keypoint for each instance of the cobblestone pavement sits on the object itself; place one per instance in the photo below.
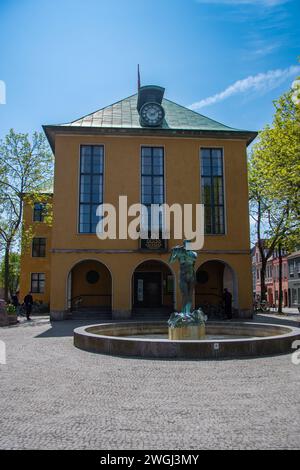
(54, 396)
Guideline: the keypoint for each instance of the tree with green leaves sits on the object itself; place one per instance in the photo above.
(26, 167)
(274, 183)
(14, 272)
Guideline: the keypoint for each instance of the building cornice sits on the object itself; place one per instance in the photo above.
(52, 131)
(120, 251)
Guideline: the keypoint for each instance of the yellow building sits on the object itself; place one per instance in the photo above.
(35, 274)
(153, 151)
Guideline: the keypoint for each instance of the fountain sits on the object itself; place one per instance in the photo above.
(186, 325)
(187, 335)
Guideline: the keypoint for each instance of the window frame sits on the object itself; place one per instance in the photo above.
(39, 282)
(41, 211)
(92, 174)
(39, 246)
(212, 203)
(292, 269)
(152, 175)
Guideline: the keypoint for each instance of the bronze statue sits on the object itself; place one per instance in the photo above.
(187, 259)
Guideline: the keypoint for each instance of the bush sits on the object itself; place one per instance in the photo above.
(10, 309)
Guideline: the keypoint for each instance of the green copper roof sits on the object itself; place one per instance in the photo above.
(123, 118)
(124, 114)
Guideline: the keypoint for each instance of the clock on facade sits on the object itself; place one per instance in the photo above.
(152, 114)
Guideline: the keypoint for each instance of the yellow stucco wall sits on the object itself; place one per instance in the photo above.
(122, 177)
(90, 294)
(30, 264)
(211, 291)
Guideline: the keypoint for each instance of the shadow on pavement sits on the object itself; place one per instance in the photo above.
(292, 320)
(65, 328)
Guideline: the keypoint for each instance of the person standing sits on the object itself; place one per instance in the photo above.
(28, 302)
(15, 302)
(15, 299)
(227, 299)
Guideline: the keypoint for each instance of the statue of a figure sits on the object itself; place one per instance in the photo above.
(187, 259)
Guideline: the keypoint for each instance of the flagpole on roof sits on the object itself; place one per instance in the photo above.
(139, 77)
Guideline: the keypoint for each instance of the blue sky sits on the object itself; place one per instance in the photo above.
(228, 59)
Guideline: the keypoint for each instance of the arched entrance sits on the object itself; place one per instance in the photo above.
(153, 287)
(89, 287)
(212, 277)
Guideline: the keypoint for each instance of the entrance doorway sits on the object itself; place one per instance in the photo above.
(153, 287)
(148, 289)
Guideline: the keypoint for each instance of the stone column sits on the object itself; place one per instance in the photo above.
(58, 307)
(121, 270)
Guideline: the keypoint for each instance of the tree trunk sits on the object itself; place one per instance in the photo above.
(280, 294)
(263, 258)
(263, 288)
(6, 272)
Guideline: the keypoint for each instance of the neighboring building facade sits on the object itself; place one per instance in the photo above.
(35, 273)
(153, 151)
(271, 277)
(294, 279)
(254, 276)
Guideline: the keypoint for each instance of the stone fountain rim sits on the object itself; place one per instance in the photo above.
(291, 331)
(152, 348)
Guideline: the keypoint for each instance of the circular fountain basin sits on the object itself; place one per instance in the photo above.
(223, 340)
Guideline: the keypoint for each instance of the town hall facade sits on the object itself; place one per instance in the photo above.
(151, 150)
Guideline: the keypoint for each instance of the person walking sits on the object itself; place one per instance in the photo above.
(15, 302)
(227, 299)
(28, 302)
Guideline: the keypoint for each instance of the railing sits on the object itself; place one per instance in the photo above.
(91, 301)
(208, 294)
(261, 306)
(212, 310)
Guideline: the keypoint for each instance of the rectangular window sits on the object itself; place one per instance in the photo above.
(91, 186)
(292, 269)
(38, 283)
(152, 175)
(39, 247)
(212, 190)
(38, 212)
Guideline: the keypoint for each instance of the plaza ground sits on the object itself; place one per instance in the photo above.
(54, 396)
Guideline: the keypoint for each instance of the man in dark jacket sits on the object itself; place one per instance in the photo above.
(28, 301)
(227, 299)
(15, 302)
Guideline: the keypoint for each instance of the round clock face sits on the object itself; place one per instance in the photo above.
(152, 114)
